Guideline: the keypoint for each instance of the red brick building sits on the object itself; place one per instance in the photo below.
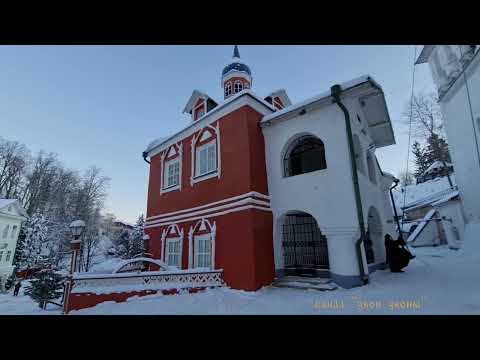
(208, 203)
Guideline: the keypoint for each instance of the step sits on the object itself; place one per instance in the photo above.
(306, 286)
(308, 280)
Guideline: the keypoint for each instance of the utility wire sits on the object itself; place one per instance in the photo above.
(410, 127)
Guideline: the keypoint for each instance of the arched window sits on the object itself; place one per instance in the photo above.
(371, 168)
(202, 245)
(228, 89)
(358, 154)
(305, 155)
(238, 86)
(5, 231)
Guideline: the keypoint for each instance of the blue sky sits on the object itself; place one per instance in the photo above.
(101, 105)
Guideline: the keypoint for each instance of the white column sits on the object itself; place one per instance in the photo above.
(342, 253)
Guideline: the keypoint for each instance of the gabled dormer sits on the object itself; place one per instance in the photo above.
(279, 99)
(199, 104)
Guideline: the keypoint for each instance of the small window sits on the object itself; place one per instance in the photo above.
(173, 252)
(228, 89)
(5, 231)
(200, 113)
(14, 231)
(206, 159)
(172, 173)
(307, 154)
(357, 148)
(1, 255)
(203, 250)
(371, 168)
(7, 258)
(238, 86)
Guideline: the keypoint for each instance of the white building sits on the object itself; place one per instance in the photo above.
(306, 192)
(456, 72)
(11, 216)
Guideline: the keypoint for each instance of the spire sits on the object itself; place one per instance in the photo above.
(236, 53)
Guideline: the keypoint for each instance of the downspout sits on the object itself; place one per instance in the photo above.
(145, 155)
(395, 207)
(336, 90)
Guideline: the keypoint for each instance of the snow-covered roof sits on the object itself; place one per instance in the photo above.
(432, 192)
(158, 142)
(193, 99)
(6, 202)
(375, 110)
(424, 54)
(282, 94)
(436, 165)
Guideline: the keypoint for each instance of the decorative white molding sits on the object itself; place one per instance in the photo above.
(245, 201)
(162, 244)
(152, 280)
(236, 101)
(190, 248)
(196, 138)
(179, 145)
(211, 228)
(212, 241)
(246, 207)
(172, 228)
(238, 197)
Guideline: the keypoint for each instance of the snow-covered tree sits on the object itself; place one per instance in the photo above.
(35, 246)
(46, 286)
(136, 237)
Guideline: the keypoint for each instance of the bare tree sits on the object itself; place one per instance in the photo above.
(426, 116)
(13, 161)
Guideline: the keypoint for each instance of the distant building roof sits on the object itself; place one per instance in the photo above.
(436, 166)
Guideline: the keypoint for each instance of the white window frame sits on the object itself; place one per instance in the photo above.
(5, 231)
(207, 236)
(166, 173)
(194, 178)
(168, 241)
(164, 168)
(240, 87)
(228, 86)
(210, 172)
(14, 231)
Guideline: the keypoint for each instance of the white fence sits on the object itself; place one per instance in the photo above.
(152, 280)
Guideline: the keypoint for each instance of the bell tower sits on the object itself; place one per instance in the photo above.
(236, 75)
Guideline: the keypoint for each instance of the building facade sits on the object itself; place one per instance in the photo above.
(456, 73)
(260, 188)
(11, 216)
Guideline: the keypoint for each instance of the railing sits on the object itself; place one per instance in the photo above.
(153, 280)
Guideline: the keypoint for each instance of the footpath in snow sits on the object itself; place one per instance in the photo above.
(438, 281)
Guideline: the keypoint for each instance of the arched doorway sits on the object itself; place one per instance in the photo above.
(305, 250)
(305, 154)
(374, 234)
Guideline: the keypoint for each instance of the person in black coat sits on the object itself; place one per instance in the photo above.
(18, 285)
(398, 257)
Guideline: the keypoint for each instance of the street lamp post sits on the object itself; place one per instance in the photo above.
(76, 228)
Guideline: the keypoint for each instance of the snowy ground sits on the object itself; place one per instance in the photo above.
(438, 281)
(23, 305)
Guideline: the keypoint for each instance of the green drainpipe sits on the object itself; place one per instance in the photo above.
(336, 90)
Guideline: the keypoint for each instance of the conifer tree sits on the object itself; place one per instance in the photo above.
(46, 286)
